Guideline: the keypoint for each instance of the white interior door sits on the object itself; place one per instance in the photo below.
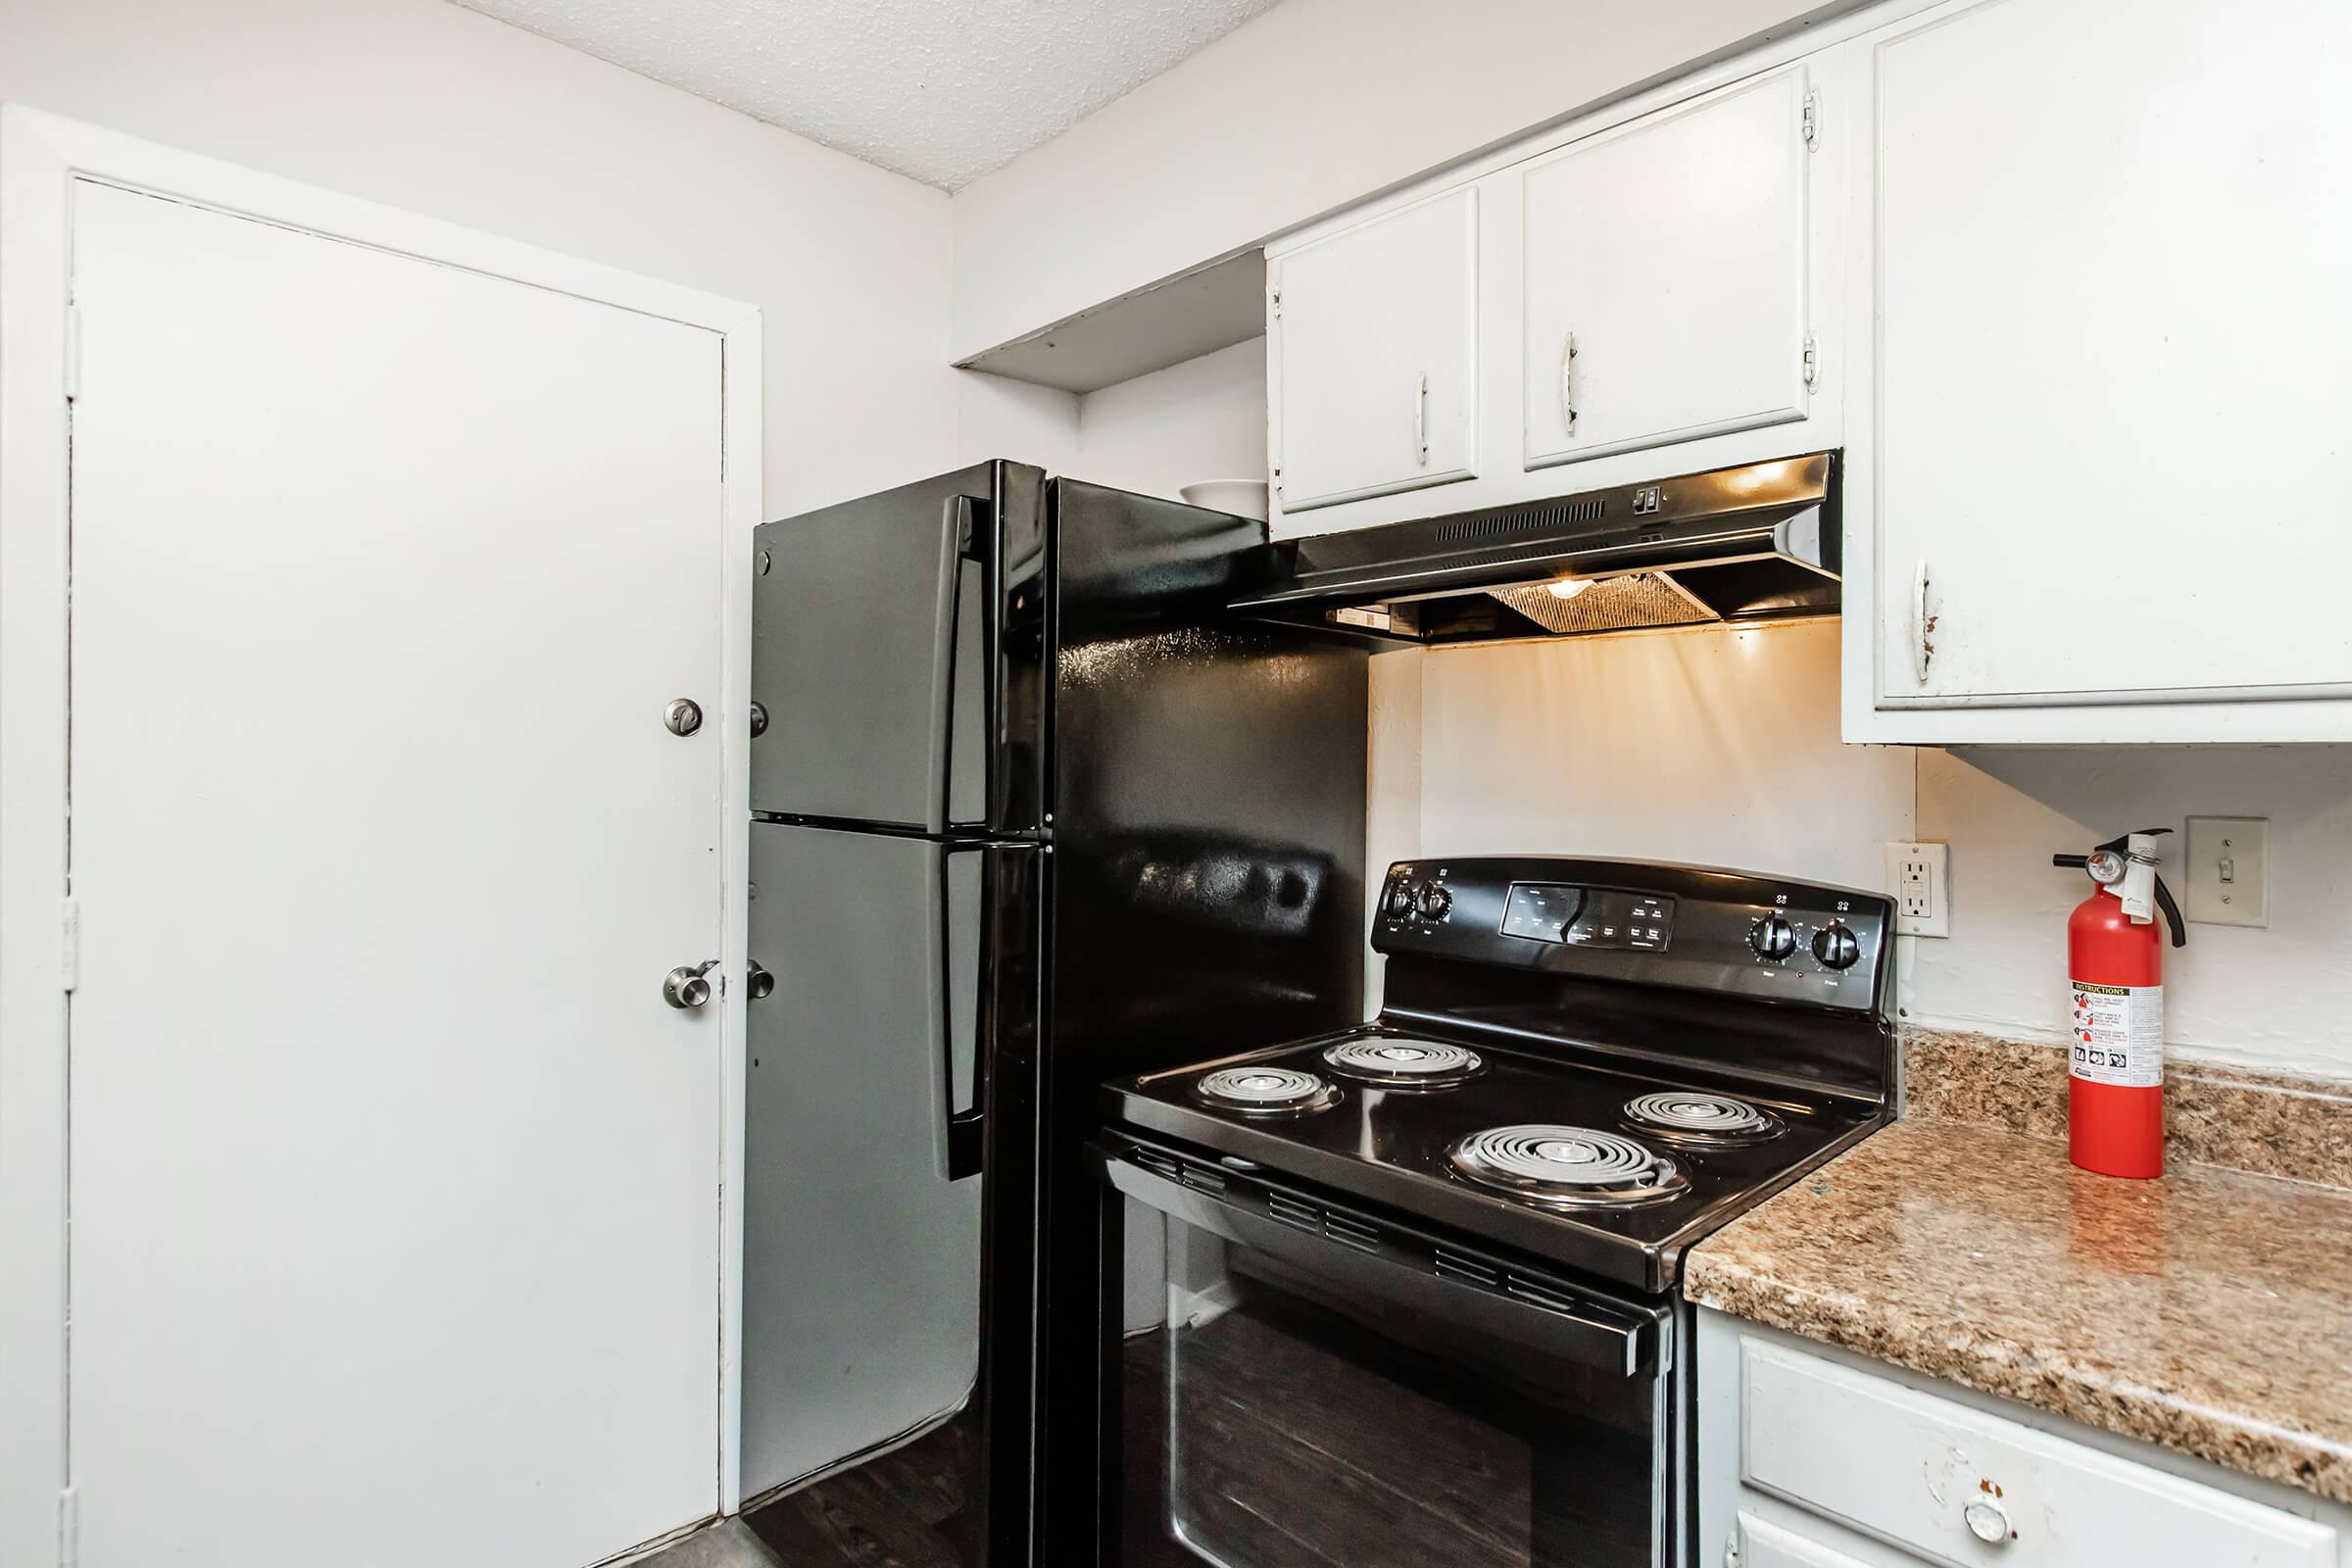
(1669, 256)
(394, 1182)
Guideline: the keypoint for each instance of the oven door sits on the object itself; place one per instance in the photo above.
(1323, 1386)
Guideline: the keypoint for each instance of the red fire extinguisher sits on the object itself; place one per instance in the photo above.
(2115, 963)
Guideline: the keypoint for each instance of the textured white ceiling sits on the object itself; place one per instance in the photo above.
(943, 90)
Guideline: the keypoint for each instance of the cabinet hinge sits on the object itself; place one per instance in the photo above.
(1812, 120)
(69, 1528)
(73, 352)
(1812, 364)
(1274, 296)
(69, 942)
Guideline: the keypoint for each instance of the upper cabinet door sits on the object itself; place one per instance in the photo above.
(1374, 343)
(1665, 277)
(2112, 329)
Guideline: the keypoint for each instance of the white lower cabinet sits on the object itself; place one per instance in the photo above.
(1811, 1458)
(1761, 1543)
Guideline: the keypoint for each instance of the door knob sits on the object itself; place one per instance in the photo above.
(758, 983)
(687, 986)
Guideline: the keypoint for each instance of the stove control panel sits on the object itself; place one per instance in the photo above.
(1588, 917)
(1691, 927)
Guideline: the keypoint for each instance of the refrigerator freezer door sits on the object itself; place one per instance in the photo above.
(861, 1252)
(877, 653)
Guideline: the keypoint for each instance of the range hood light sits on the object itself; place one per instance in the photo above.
(1568, 587)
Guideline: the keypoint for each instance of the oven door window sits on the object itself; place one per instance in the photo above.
(1286, 1413)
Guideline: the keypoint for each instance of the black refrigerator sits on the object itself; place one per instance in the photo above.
(1032, 810)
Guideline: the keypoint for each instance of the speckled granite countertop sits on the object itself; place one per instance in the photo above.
(2210, 1312)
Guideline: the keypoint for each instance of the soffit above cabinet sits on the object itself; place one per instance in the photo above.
(1168, 323)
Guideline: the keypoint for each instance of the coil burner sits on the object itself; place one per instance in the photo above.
(1404, 1063)
(1266, 1091)
(1572, 1167)
(1704, 1120)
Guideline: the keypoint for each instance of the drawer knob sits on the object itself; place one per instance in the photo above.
(1988, 1520)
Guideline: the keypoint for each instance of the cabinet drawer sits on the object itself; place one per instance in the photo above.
(1764, 1544)
(1938, 1478)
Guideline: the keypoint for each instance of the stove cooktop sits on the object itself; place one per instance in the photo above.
(1590, 1162)
(1593, 1063)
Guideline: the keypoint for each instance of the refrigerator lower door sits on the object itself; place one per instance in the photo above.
(863, 1201)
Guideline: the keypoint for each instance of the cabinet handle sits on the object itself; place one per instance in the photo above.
(1922, 626)
(1568, 382)
(1421, 419)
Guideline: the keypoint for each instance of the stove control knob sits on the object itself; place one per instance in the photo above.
(1836, 945)
(1399, 903)
(1434, 902)
(1773, 936)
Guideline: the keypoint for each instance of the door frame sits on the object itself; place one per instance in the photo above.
(43, 158)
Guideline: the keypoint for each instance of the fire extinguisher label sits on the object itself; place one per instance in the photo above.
(2119, 1035)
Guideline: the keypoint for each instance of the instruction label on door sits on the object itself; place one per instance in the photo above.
(2119, 1035)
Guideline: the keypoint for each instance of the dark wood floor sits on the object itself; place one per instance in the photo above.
(904, 1510)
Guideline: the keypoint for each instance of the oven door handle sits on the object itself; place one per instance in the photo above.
(1380, 1258)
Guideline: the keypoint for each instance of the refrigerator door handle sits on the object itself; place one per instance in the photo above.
(965, 542)
(965, 1128)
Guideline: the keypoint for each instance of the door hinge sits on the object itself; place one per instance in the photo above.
(1812, 363)
(69, 1528)
(69, 942)
(73, 352)
(1812, 120)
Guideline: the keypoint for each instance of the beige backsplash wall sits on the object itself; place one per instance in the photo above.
(1722, 747)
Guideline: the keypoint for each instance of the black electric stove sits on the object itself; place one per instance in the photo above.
(1464, 1220)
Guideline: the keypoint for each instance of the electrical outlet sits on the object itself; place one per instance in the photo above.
(1918, 877)
(2227, 864)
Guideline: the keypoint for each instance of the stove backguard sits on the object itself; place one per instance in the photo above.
(1767, 977)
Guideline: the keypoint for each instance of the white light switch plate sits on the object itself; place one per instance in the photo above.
(1919, 878)
(2226, 864)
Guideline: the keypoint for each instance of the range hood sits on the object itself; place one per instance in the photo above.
(1734, 545)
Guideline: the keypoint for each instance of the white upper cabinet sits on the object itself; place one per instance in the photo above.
(1373, 356)
(1664, 278)
(2099, 477)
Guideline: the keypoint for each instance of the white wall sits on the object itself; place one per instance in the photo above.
(2265, 998)
(1715, 747)
(1312, 106)
(1202, 419)
(425, 105)
(1722, 747)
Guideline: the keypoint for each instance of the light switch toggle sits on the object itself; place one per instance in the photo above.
(2227, 870)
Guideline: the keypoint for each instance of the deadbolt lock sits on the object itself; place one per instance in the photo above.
(683, 715)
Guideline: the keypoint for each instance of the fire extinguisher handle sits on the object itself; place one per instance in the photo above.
(2171, 913)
